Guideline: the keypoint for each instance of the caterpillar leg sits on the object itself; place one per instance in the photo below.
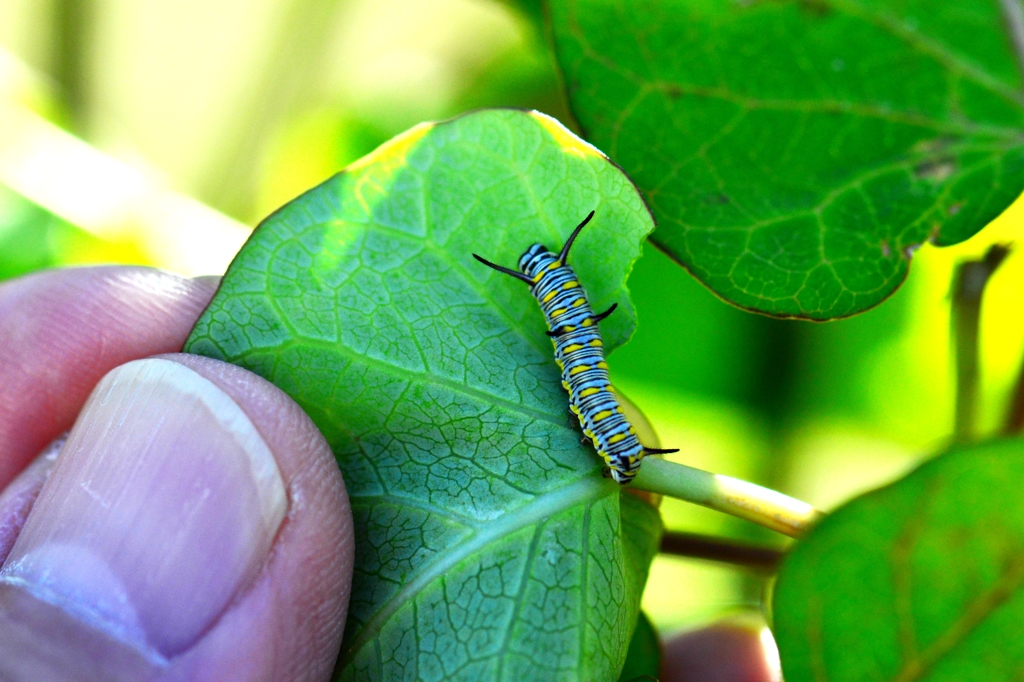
(555, 333)
(619, 477)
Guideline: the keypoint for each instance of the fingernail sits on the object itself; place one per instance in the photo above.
(162, 505)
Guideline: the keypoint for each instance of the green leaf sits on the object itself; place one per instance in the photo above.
(489, 546)
(797, 152)
(643, 659)
(921, 580)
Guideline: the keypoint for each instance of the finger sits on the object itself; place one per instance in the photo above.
(725, 652)
(62, 330)
(194, 527)
(17, 499)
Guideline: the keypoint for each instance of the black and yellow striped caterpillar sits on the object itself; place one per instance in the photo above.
(579, 351)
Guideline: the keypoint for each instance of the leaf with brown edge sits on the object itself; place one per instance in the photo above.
(797, 152)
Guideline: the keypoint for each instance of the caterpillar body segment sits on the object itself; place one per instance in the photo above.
(579, 352)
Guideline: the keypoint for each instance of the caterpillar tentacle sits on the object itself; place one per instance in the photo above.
(598, 318)
(507, 271)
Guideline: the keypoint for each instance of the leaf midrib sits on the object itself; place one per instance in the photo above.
(974, 615)
(937, 51)
(849, 184)
(414, 376)
(828, 106)
(588, 489)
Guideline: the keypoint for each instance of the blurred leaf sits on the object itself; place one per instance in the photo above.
(32, 238)
(488, 543)
(827, 385)
(796, 153)
(524, 76)
(312, 147)
(24, 235)
(690, 341)
(919, 580)
(643, 658)
(531, 9)
(520, 73)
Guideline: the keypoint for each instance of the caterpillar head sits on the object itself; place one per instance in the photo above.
(535, 260)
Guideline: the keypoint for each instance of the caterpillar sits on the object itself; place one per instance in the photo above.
(579, 352)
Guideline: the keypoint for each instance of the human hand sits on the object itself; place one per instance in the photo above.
(195, 525)
(732, 650)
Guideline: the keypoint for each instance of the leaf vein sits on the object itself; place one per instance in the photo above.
(541, 508)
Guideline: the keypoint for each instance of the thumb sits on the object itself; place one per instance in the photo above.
(194, 527)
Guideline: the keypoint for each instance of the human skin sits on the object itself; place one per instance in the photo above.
(195, 525)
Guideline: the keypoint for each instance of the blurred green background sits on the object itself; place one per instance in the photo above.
(137, 131)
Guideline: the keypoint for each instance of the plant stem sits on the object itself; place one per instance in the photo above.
(1015, 416)
(1014, 17)
(697, 546)
(745, 500)
(968, 288)
(73, 24)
